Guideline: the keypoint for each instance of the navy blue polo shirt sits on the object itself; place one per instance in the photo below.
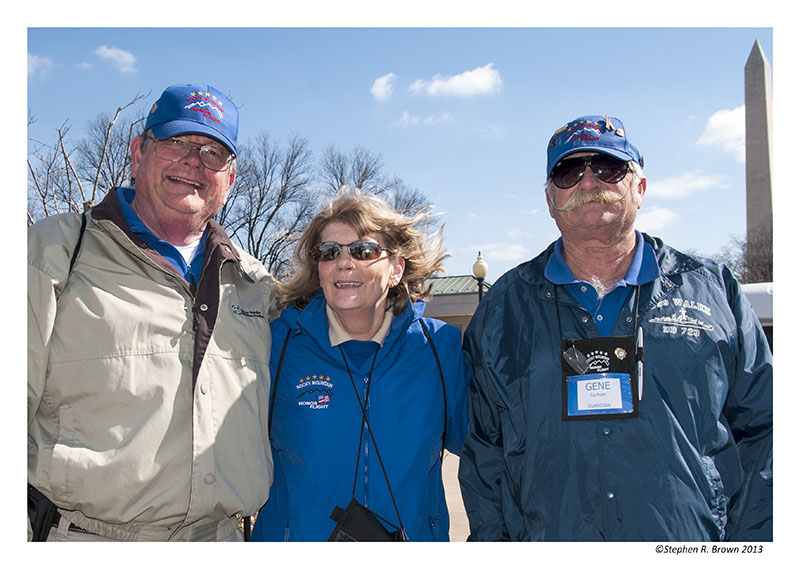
(190, 272)
(605, 311)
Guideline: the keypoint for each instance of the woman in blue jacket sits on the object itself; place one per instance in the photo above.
(366, 393)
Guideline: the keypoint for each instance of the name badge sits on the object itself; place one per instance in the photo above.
(599, 378)
(599, 394)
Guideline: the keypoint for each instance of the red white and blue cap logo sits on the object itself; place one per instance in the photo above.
(194, 109)
(592, 132)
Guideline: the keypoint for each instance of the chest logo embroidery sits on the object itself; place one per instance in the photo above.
(314, 391)
(688, 317)
(239, 311)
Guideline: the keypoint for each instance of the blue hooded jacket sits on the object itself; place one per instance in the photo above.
(695, 465)
(317, 422)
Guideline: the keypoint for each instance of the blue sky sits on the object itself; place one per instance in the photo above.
(463, 114)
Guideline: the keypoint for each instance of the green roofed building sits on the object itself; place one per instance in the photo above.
(454, 299)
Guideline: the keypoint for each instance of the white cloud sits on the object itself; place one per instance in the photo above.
(383, 86)
(725, 129)
(123, 60)
(83, 65)
(38, 65)
(654, 219)
(506, 252)
(685, 185)
(407, 119)
(417, 86)
(479, 81)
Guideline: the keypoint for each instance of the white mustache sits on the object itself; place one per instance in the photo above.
(583, 197)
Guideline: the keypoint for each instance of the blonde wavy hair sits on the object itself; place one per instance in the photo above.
(405, 235)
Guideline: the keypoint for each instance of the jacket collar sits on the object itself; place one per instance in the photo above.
(216, 239)
(670, 261)
(314, 320)
(338, 334)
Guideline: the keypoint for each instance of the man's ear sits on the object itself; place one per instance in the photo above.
(549, 203)
(137, 148)
(642, 189)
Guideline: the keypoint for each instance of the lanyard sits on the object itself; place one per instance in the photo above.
(574, 354)
(364, 423)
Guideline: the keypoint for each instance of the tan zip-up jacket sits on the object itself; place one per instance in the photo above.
(146, 403)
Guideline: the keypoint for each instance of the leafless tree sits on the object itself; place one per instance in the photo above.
(104, 154)
(749, 258)
(758, 256)
(360, 169)
(272, 200)
(364, 170)
(59, 183)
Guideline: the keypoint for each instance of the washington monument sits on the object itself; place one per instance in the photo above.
(758, 148)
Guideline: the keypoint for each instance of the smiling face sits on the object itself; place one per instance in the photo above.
(357, 290)
(177, 194)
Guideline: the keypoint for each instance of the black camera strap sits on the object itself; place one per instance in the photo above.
(40, 509)
(444, 389)
(365, 423)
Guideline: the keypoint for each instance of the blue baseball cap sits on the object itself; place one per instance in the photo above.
(194, 109)
(592, 132)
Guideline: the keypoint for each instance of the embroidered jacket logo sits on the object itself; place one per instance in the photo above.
(314, 391)
(239, 311)
(680, 320)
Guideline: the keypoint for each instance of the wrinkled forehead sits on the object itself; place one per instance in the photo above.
(342, 231)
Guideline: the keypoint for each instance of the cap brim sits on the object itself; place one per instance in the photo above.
(602, 150)
(181, 126)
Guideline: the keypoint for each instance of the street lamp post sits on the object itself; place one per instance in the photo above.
(479, 270)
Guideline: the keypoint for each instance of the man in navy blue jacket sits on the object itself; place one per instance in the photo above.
(622, 390)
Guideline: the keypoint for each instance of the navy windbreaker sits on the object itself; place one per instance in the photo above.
(317, 420)
(695, 465)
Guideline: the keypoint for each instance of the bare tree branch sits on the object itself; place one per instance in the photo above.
(272, 200)
(101, 159)
(749, 259)
(106, 141)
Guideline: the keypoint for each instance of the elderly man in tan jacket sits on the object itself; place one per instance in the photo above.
(148, 343)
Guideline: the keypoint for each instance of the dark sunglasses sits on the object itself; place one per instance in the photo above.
(569, 171)
(359, 250)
